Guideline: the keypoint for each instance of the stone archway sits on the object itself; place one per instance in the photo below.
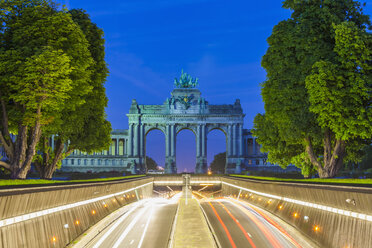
(186, 108)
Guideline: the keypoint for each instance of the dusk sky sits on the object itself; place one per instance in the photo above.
(220, 42)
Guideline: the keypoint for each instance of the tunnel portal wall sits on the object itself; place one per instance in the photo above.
(332, 216)
(76, 208)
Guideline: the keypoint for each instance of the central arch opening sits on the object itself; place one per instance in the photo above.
(185, 151)
(155, 149)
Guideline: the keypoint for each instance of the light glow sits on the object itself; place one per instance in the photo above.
(33, 215)
(307, 204)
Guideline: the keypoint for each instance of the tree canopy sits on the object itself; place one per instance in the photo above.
(44, 62)
(218, 164)
(83, 127)
(151, 164)
(318, 89)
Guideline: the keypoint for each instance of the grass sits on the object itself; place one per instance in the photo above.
(312, 180)
(6, 182)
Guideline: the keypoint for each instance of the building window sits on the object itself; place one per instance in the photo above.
(250, 161)
(121, 162)
(121, 147)
(106, 162)
(85, 162)
(72, 161)
(257, 161)
(92, 162)
(99, 161)
(79, 161)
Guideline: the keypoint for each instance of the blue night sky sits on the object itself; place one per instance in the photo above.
(148, 42)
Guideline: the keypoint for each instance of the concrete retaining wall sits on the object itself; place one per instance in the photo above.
(328, 229)
(60, 228)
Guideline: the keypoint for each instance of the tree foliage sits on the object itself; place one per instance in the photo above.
(318, 89)
(44, 71)
(151, 164)
(83, 127)
(218, 164)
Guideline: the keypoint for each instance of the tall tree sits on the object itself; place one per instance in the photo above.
(44, 63)
(85, 127)
(310, 92)
(218, 164)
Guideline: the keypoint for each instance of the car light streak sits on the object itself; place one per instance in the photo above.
(307, 204)
(274, 242)
(145, 230)
(25, 217)
(130, 226)
(223, 225)
(118, 222)
(272, 222)
(239, 225)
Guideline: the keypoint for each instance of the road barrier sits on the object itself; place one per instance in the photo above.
(332, 216)
(53, 216)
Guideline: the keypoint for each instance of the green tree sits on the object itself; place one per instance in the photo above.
(85, 127)
(151, 164)
(316, 87)
(44, 63)
(218, 164)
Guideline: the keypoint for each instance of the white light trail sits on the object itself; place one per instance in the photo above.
(129, 227)
(147, 225)
(117, 223)
(308, 204)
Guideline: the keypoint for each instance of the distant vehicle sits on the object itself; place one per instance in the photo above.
(155, 172)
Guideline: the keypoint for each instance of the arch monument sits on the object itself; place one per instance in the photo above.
(185, 109)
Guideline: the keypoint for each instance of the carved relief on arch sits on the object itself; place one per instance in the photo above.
(182, 126)
(149, 127)
(222, 127)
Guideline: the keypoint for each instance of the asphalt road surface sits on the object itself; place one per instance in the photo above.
(237, 225)
(147, 224)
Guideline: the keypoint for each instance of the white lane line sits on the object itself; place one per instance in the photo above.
(147, 225)
(249, 235)
(131, 242)
(118, 222)
(129, 227)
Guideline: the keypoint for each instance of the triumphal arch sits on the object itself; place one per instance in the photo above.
(184, 109)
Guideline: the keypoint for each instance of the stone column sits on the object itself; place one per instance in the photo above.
(142, 140)
(201, 149)
(130, 141)
(229, 141)
(234, 140)
(167, 141)
(170, 144)
(136, 141)
(241, 141)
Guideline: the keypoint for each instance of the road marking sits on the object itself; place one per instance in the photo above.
(145, 230)
(249, 235)
(131, 242)
(118, 222)
(129, 227)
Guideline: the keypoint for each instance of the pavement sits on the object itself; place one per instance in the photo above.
(191, 228)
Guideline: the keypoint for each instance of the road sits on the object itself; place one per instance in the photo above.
(237, 225)
(147, 224)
